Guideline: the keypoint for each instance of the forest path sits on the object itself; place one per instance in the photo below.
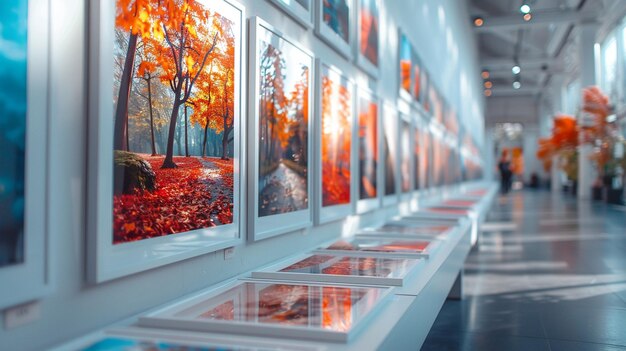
(215, 183)
(285, 191)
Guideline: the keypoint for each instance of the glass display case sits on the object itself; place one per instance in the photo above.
(274, 309)
(366, 269)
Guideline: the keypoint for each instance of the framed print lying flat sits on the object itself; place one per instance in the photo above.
(390, 154)
(367, 129)
(334, 24)
(342, 269)
(378, 247)
(280, 105)
(464, 203)
(275, 309)
(152, 339)
(368, 42)
(155, 201)
(334, 137)
(24, 240)
(300, 10)
(403, 231)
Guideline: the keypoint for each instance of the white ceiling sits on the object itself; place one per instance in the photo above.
(546, 48)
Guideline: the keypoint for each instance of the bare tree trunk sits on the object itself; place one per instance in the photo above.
(152, 142)
(186, 138)
(120, 135)
(206, 130)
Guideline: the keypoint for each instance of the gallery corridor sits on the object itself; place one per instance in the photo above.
(550, 274)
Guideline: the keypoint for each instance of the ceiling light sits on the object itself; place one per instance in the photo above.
(488, 92)
(525, 9)
(488, 85)
(528, 17)
(517, 85)
(516, 69)
(485, 74)
(478, 22)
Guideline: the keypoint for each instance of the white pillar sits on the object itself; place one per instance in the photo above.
(586, 174)
(530, 144)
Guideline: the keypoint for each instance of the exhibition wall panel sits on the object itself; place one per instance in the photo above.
(440, 34)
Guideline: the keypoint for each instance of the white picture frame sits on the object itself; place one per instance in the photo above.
(406, 140)
(390, 139)
(302, 14)
(405, 53)
(329, 35)
(369, 67)
(177, 316)
(267, 226)
(364, 246)
(314, 272)
(30, 279)
(366, 204)
(107, 261)
(328, 213)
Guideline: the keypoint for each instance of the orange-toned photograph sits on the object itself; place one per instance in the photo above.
(368, 148)
(336, 137)
(173, 123)
(405, 64)
(405, 156)
(369, 30)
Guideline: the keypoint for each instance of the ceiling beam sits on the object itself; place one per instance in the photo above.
(524, 90)
(493, 63)
(496, 23)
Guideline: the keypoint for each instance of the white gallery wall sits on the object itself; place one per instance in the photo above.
(441, 33)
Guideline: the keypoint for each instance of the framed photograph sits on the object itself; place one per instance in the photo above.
(425, 92)
(363, 269)
(275, 309)
(24, 240)
(418, 154)
(404, 231)
(405, 65)
(334, 136)
(367, 131)
(280, 103)
(416, 90)
(153, 339)
(378, 246)
(334, 24)
(390, 154)
(428, 158)
(368, 42)
(165, 157)
(406, 154)
(300, 10)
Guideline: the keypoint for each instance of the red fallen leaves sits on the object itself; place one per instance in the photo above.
(335, 186)
(187, 198)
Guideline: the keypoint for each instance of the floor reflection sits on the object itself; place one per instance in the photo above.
(554, 280)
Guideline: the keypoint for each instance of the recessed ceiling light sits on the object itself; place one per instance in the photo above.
(488, 85)
(525, 8)
(517, 85)
(485, 74)
(478, 22)
(488, 93)
(516, 69)
(528, 17)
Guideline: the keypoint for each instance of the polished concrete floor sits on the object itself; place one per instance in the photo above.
(550, 274)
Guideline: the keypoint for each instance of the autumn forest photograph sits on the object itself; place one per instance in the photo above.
(174, 117)
(368, 148)
(283, 126)
(336, 138)
(369, 30)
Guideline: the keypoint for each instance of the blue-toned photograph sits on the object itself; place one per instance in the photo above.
(118, 344)
(337, 17)
(13, 49)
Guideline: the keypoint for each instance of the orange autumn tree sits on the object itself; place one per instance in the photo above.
(190, 37)
(336, 141)
(563, 142)
(135, 17)
(596, 105)
(272, 104)
(215, 101)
